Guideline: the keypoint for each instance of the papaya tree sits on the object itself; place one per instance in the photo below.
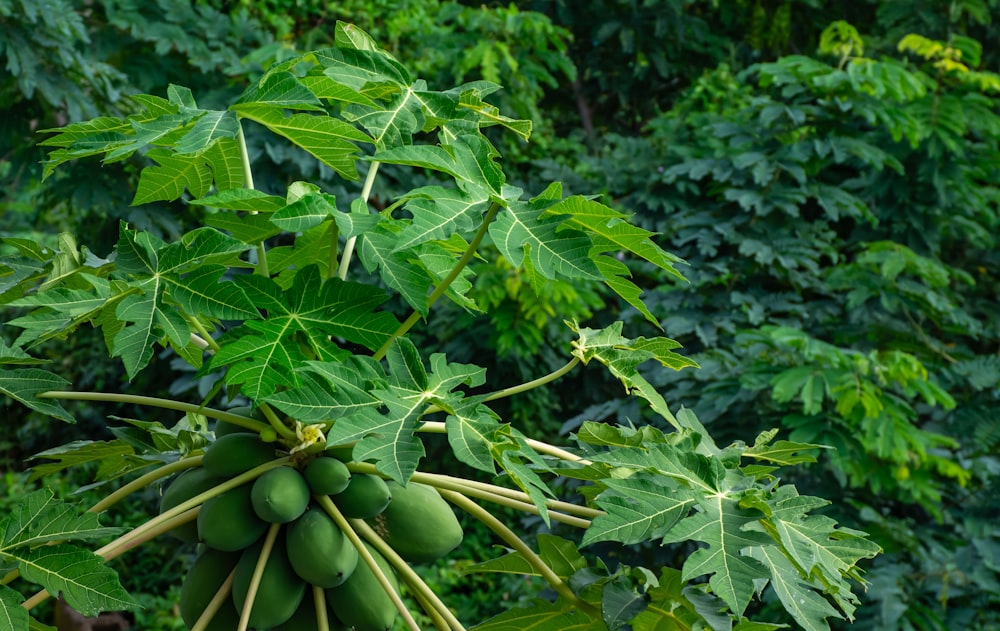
(303, 472)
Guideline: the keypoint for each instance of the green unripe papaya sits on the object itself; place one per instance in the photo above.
(342, 453)
(222, 428)
(319, 551)
(304, 618)
(185, 486)
(361, 602)
(280, 591)
(280, 495)
(366, 495)
(234, 454)
(207, 574)
(418, 523)
(327, 476)
(228, 522)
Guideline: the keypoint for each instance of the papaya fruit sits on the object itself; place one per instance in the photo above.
(208, 572)
(344, 453)
(327, 476)
(185, 486)
(280, 591)
(418, 524)
(319, 551)
(228, 522)
(280, 495)
(234, 454)
(223, 428)
(365, 496)
(361, 602)
(304, 618)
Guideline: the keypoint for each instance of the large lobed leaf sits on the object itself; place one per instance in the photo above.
(28, 538)
(385, 435)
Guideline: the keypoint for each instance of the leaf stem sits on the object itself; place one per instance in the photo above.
(241, 142)
(215, 604)
(322, 615)
(283, 430)
(258, 573)
(520, 546)
(331, 264)
(154, 524)
(366, 191)
(167, 404)
(535, 383)
(143, 481)
(511, 498)
(470, 251)
(411, 578)
(331, 509)
(524, 387)
(204, 339)
(437, 427)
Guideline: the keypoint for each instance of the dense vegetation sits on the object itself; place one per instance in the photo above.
(828, 170)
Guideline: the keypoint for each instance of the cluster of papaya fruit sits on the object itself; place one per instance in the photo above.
(309, 548)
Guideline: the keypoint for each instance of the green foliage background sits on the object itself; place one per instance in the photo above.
(836, 198)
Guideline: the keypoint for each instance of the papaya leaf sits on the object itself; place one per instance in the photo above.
(560, 555)
(14, 356)
(521, 231)
(280, 88)
(24, 384)
(41, 518)
(675, 605)
(328, 391)
(324, 87)
(246, 199)
(387, 436)
(174, 174)
(620, 602)
(616, 276)
(362, 68)
(639, 508)
(808, 608)
(471, 429)
(391, 125)
(356, 222)
(623, 356)
(157, 272)
(723, 525)
(147, 132)
(262, 354)
(378, 252)
(209, 128)
(603, 434)
(114, 458)
(783, 452)
(438, 212)
(329, 140)
(697, 472)
(522, 463)
(490, 115)
(87, 584)
(611, 230)
(467, 157)
(223, 158)
(814, 542)
(543, 615)
(308, 210)
(12, 615)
